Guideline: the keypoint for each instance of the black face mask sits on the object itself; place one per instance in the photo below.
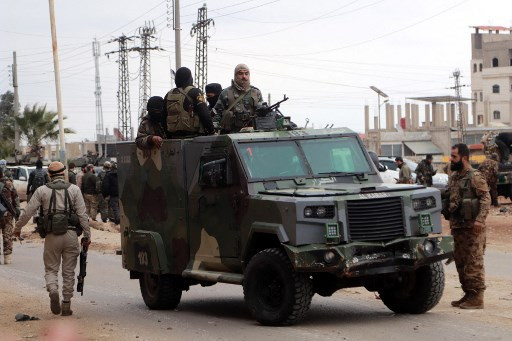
(456, 166)
(155, 116)
(212, 100)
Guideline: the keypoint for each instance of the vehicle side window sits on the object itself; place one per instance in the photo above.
(390, 164)
(23, 172)
(15, 173)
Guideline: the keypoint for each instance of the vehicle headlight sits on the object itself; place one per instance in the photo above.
(423, 203)
(319, 211)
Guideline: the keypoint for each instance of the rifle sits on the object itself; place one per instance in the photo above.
(8, 205)
(265, 109)
(83, 268)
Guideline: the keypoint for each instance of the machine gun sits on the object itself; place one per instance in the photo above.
(270, 118)
(264, 110)
(83, 268)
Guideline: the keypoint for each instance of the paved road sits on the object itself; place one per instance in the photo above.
(219, 313)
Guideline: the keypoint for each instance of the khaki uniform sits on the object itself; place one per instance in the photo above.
(469, 246)
(63, 247)
(489, 170)
(404, 176)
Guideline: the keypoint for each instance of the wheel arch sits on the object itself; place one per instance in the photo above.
(263, 236)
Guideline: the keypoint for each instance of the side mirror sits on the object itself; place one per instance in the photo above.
(382, 168)
(214, 173)
(22, 178)
(375, 160)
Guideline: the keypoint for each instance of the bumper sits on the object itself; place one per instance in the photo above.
(365, 259)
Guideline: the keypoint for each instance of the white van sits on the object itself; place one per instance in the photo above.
(20, 176)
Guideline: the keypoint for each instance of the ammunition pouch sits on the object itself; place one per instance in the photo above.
(242, 119)
(41, 226)
(469, 209)
(227, 121)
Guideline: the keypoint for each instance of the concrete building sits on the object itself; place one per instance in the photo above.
(491, 75)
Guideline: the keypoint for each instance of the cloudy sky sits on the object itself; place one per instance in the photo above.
(322, 54)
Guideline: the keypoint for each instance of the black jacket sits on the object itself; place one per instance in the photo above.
(110, 186)
(89, 183)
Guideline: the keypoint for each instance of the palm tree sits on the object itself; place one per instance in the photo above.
(37, 126)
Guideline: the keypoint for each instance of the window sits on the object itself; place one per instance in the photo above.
(481, 67)
(481, 96)
(480, 119)
(510, 62)
(474, 68)
(475, 95)
(496, 114)
(495, 89)
(495, 62)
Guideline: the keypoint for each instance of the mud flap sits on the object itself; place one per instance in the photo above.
(146, 253)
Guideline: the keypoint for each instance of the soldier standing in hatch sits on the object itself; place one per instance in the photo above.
(489, 169)
(63, 247)
(9, 194)
(185, 108)
(152, 126)
(424, 171)
(238, 102)
(468, 208)
(404, 176)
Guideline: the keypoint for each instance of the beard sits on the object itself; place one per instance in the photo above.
(456, 166)
(242, 83)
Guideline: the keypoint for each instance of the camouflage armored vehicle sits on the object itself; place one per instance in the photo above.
(286, 214)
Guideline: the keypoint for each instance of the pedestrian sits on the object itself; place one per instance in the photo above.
(80, 175)
(424, 171)
(61, 231)
(72, 174)
(90, 192)
(404, 176)
(6, 171)
(102, 202)
(152, 128)
(9, 199)
(185, 108)
(36, 179)
(110, 190)
(237, 103)
(212, 92)
(469, 202)
(489, 170)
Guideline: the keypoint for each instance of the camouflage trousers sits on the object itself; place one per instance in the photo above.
(468, 253)
(104, 208)
(7, 227)
(91, 205)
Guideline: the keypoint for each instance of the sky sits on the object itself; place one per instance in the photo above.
(322, 54)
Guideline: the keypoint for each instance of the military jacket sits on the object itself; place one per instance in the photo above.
(489, 170)
(148, 129)
(424, 173)
(404, 176)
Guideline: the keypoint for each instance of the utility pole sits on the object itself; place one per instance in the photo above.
(380, 94)
(461, 124)
(97, 92)
(124, 117)
(56, 68)
(201, 29)
(177, 32)
(16, 105)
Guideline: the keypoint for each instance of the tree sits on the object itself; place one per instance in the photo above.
(36, 126)
(6, 106)
(6, 119)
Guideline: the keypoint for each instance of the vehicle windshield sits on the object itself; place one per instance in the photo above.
(283, 159)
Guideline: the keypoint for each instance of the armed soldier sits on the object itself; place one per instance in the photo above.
(63, 220)
(489, 170)
(90, 192)
(110, 190)
(424, 171)
(404, 176)
(152, 126)
(185, 108)
(102, 202)
(36, 179)
(212, 92)
(467, 209)
(238, 102)
(9, 199)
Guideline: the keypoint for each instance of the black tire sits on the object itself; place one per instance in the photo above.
(275, 294)
(161, 292)
(417, 292)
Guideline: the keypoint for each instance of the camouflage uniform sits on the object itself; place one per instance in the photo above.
(6, 222)
(424, 173)
(469, 245)
(489, 170)
(404, 176)
(241, 111)
(147, 129)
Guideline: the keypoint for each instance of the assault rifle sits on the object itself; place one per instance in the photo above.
(83, 268)
(8, 205)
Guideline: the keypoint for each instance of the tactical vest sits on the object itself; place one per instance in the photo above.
(468, 206)
(242, 118)
(56, 221)
(179, 119)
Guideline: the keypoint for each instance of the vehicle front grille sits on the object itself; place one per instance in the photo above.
(375, 219)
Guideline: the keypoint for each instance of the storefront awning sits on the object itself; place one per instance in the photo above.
(423, 147)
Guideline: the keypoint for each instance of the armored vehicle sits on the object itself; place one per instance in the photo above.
(285, 214)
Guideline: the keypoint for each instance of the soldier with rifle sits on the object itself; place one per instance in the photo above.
(9, 200)
(62, 218)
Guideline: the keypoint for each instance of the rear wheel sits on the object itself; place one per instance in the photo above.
(161, 291)
(415, 292)
(275, 294)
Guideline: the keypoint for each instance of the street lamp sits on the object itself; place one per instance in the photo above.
(379, 95)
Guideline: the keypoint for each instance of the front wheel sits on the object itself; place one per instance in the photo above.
(415, 292)
(275, 294)
(161, 291)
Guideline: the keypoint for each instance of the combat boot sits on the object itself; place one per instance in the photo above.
(459, 302)
(55, 302)
(474, 301)
(66, 308)
(7, 259)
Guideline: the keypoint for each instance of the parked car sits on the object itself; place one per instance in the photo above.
(388, 176)
(20, 176)
(439, 181)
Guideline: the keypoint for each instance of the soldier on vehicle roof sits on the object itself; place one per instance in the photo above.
(185, 108)
(212, 92)
(238, 102)
(152, 126)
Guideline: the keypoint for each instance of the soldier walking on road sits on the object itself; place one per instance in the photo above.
(404, 176)
(489, 169)
(37, 178)
(80, 175)
(9, 199)
(90, 192)
(152, 126)
(102, 202)
(63, 220)
(424, 171)
(110, 190)
(238, 102)
(468, 208)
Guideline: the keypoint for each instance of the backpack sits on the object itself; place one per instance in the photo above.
(179, 119)
(39, 179)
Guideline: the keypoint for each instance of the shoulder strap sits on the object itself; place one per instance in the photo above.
(237, 100)
(186, 91)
